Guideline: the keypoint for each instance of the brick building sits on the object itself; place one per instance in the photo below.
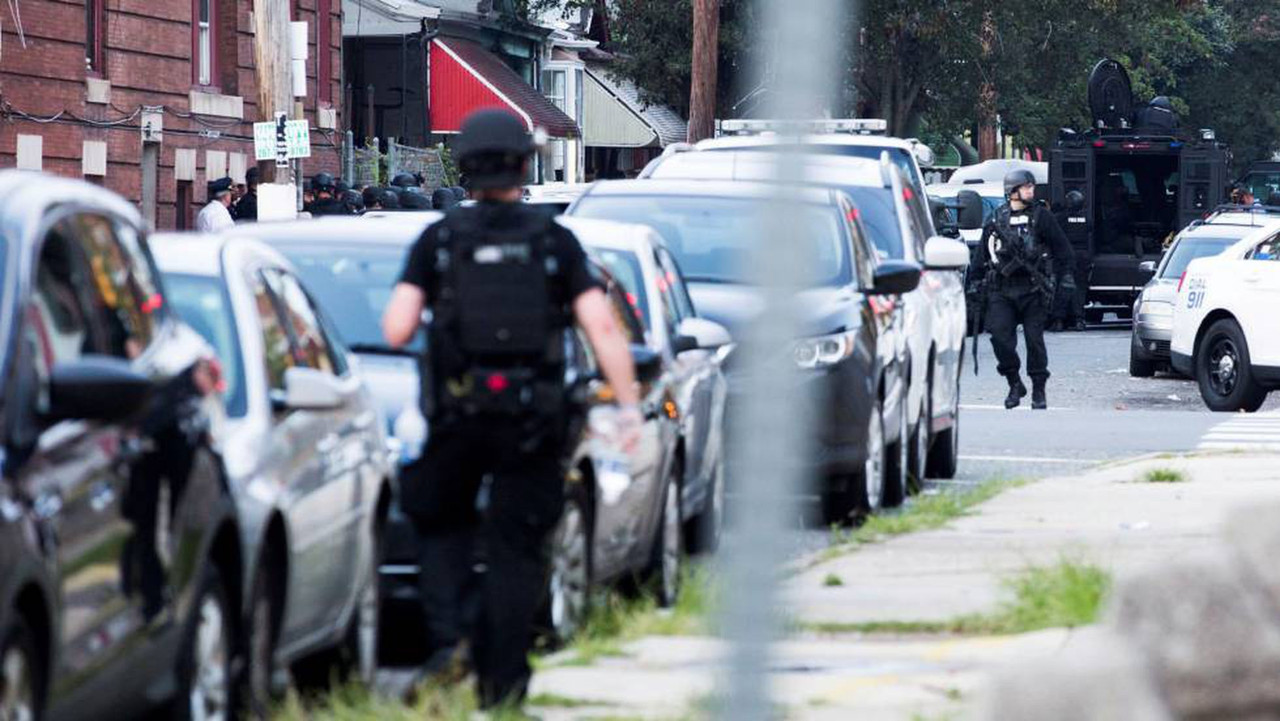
(75, 99)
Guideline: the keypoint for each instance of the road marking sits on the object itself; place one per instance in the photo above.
(1257, 432)
(1023, 407)
(1030, 459)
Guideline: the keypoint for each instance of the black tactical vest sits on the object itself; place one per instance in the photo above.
(499, 313)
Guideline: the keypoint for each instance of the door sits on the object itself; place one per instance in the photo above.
(696, 372)
(1202, 173)
(1257, 298)
(105, 513)
(1072, 169)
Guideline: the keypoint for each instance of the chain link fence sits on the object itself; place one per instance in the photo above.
(365, 165)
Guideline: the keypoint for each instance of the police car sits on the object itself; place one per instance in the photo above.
(1224, 323)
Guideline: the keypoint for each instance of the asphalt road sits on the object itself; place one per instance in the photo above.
(1096, 413)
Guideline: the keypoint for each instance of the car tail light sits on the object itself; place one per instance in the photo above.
(1180, 279)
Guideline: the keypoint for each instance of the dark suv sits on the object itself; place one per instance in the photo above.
(120, 566)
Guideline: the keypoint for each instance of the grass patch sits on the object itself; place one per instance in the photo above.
(550, 700)
(1164, 475)
(353, 702)
(616, 619)
(832, 581)
(1066, 594)
(923, 513)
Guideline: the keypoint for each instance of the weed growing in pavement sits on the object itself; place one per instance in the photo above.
(353, 702)
(616, 618)
(1164, 475)
(923, 513)
(1066, 594)
(832, 581)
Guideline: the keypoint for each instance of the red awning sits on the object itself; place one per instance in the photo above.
(465, 77)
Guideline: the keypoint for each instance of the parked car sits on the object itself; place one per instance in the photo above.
(852, 347)
(305, 452)
(1153, 311)
(351, 265)
(692, 349)
(1223, 323)
(898, 223)
(122, 570)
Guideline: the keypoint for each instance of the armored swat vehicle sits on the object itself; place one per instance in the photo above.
(1143, 177)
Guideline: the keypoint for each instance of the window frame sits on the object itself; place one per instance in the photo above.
(95, 39)
(196, 58)
(324, 52)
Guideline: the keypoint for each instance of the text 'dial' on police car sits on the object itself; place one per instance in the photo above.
(1224, 323)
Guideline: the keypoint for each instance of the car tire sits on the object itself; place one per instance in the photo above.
(869, 483)
(360, 645)
(260, 646)
(569, 582)
(944, 453)
(1139, 367)
(921, 441)
(20, 674)
(666, 561)
(1224, 371)
(897, 457)
(206, 687)
(705, 530)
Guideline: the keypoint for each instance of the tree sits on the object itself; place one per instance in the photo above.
(702, 90)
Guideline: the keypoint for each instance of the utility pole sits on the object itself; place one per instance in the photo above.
(271, 64)
(702, 94)
(987, 93)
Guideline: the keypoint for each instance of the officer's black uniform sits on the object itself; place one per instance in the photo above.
(1068, 310)
(500, 281)
(324, 183)
(1020, 254)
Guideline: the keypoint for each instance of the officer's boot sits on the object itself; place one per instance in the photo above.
(1017, 392)
(1038, 400)
(1056, 326)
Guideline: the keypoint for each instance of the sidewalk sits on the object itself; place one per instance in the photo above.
(1107, 517)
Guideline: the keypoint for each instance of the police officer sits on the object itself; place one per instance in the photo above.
(326, 202)
(1021, 253)
(501, 283)
(216, 216)
(1068, 303)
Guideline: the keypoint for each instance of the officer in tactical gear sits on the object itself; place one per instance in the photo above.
(326, 200)
(1022, 256)
(1068, 304)
(501, 284)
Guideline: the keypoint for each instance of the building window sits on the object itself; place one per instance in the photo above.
(93, 35)
(553, 86)
(203, 50)
(324, 51)
(182, 206)
(577, 96)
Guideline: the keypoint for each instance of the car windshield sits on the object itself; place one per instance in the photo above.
(625, 266)
(989, 206)
(905, 161)
(1188, 249)
(353, 284)
(710, 237)
(202, 302)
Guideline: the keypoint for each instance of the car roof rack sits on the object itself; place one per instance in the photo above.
(1252, 210)
(817, 126)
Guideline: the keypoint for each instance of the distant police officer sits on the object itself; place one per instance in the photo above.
(1021, 254)
(216, 216)
(502, 283)
(326, 201)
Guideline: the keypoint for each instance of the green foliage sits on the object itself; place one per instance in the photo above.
(1164, 475)
(832, 581)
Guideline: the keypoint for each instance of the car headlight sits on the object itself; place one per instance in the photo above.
(1156, 307)
(824, 350)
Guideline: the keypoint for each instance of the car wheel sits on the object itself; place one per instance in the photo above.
(205, 682)
(944, 452)
(264, 633)
(1224, 371)
(704, 531)
(569, 583)
(917, 463)
(1139, 367)
(897, 456)
(869, 486)
(668, 546)
(20, 675)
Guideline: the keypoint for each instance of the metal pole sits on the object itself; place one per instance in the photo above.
(771, 440)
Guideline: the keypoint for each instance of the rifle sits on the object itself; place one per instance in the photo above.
(976, 296)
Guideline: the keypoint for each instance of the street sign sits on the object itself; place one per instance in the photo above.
(297, 140)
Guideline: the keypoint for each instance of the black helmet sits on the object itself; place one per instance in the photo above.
(459, 193)
(390, 199)
(1016, 179)
(492, 149)
(353, 199)
(405, 180)
(414, 199)
(1075, 200)
(322, 181)
(443, 199)
(371, 196)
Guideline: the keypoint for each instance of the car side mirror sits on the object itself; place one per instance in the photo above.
(700, 334)
(310, 389)
(96, 388)
(895, 277)
(648, 363)
(946, 254)
(1148, 267)
(970, 210)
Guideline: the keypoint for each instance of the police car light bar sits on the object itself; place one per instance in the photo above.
(848, 126)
